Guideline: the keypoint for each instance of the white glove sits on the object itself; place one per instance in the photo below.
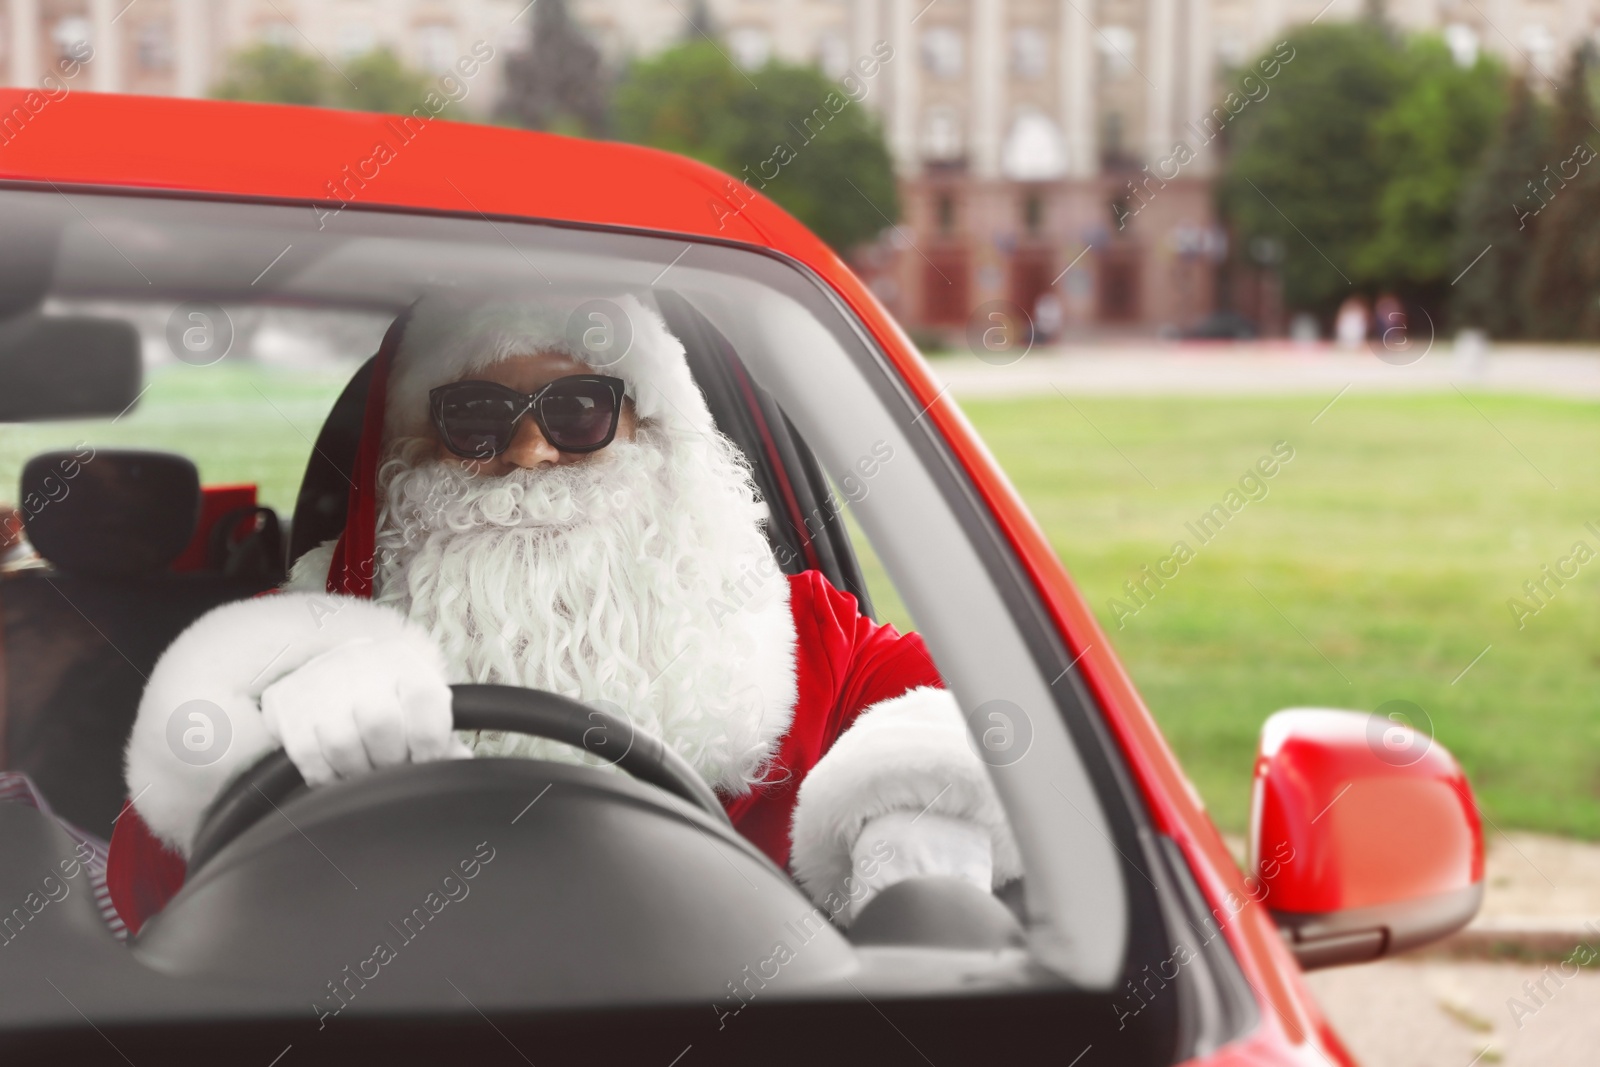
(901, 845)
(361, 705)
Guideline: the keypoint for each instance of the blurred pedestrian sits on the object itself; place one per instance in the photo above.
(1047, 317)
(1391, 319)
(1351, 326)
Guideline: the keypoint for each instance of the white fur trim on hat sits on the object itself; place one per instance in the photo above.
(910, 753)
(448, 337)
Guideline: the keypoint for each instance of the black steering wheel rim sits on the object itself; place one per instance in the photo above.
(535, 712)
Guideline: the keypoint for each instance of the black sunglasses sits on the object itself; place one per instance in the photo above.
(478, 420)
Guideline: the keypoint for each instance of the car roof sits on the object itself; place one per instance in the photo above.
(416, 161)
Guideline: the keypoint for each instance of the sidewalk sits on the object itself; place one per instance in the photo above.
(1271, 368)
(1539, 894)
(1495, 993)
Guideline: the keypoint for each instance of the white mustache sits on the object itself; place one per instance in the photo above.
(447, 495)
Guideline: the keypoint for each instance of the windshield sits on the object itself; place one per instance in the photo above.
(255, 325)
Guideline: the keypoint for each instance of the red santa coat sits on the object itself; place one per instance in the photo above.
(844, 664)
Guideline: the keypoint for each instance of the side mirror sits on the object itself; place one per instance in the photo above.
(61, 367)
(1364, 835)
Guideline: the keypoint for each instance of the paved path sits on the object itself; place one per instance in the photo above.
(1273, 368)
(1434, 1010)
(1437, 1013)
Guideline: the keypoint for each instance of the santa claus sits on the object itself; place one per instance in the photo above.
(525, 511)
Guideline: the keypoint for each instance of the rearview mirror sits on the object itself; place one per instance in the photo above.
(1364, 835)
(62, 367)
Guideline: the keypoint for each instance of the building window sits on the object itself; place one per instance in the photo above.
(1034, 150)
(1121, 211)
(1230, 49)
(1111, 139)
(942, 52)
(436, 47)
(355, 39)
(1540, 45)
(941, 135)
(155, 46)
(279, 35)
(1030, 53)
(1033, 214)
(944, 288)
(944, 214)
(1117, 45)
(833, 55)
(751, 47)
(70, 35)
(1463, 42)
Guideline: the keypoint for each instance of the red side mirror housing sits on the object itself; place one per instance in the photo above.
(1364, 835)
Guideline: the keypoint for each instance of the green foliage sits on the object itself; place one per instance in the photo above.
(1430, 138)
(377, 81)
(1305, 168)
(1563, 278)
(1357, 160)
(800, 139)
(556, 82)
(1499, 212)
(273, 74)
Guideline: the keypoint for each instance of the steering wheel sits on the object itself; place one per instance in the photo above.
(535, 712)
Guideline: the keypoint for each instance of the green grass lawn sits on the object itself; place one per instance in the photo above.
(1390, 545)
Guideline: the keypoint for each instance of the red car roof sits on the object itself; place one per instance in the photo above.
(317, 154)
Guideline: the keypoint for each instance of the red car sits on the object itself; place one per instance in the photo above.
(170, 226)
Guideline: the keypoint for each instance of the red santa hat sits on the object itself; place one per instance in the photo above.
(445, 337)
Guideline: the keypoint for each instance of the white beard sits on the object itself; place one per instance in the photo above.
(638, 579)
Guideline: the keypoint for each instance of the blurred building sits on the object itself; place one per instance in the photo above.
(1030, 133)
(1058, 147)
(181, 47)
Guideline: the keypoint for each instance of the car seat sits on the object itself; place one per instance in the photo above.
(80, 635)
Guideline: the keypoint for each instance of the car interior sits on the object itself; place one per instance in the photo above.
(131, 544)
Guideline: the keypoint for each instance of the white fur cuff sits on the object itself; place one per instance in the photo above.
(199, 722)
(911, 753)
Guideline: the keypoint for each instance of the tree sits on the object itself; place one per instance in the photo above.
(1429, 139)
(1305, 168)
(273, 74)
(1498, 213)
(378, 81)
(276, 74)
(800, 139)
(556, 82)
(1563, 281)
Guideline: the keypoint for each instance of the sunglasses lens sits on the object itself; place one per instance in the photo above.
(579, 415)
(479, 422)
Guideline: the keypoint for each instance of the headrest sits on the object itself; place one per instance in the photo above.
(110, 512)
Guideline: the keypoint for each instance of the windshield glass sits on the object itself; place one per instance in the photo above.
(256, 327)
